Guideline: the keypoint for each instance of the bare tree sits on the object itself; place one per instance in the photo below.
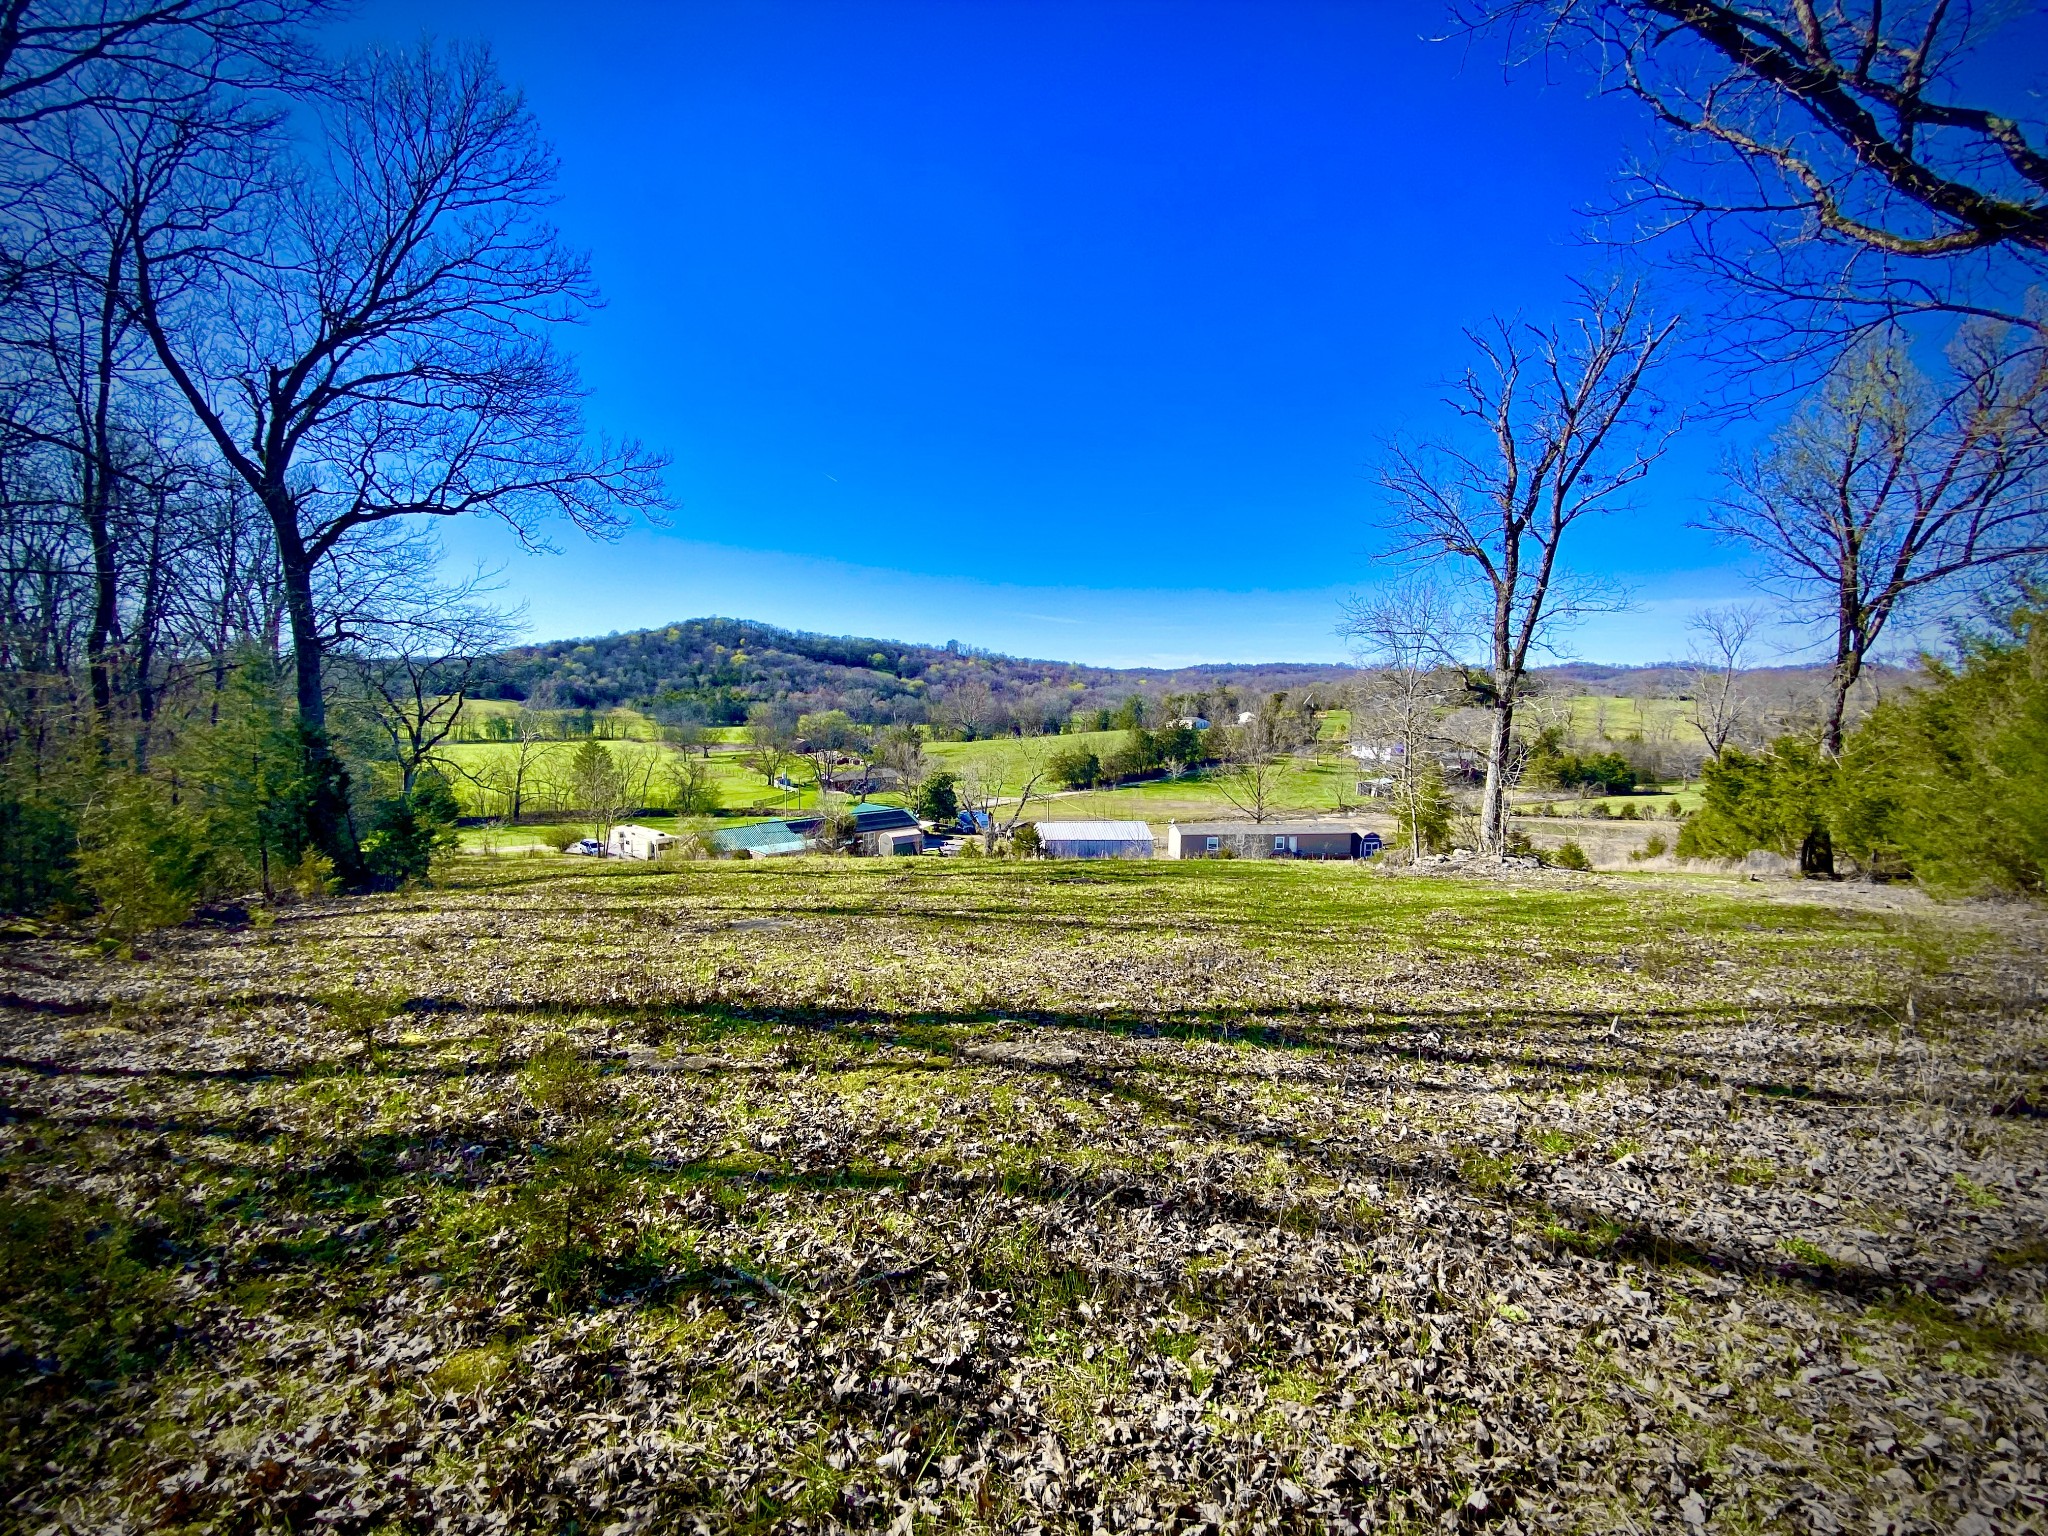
(1885, 496)
(64, 57)
(1824, 157)
(771, 741)
(512, 774)
(1250, 779)
(1721, 706)
(375, 347)
(1559, 424)
(992, 780)
(690, 786)
(1409, 634)
(415, 665)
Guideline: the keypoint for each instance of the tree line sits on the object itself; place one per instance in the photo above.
(265, 316)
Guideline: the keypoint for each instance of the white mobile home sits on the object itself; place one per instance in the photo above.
(629, 841)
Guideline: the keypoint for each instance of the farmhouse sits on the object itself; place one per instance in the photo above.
(762, 840)
(1270, 840)
(1095, 839)
(629, 841)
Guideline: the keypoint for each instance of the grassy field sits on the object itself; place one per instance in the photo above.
(732, 783)
(1615, 717)
(978, 1196)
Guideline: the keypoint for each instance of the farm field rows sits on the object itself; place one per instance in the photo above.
(909, 1195)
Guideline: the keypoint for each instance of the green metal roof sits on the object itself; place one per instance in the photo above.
(870, 817)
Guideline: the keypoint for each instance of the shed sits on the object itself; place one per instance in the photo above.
(630, 841)
(1270, 840)
(1095, 839)
(881, 828)
(762, 840)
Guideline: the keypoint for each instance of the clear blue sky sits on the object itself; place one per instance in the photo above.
(1067, 329)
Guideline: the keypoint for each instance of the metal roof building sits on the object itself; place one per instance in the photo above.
(763, 840)
(1095, 839)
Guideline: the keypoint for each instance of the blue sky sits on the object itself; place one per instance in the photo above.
(1066, 329)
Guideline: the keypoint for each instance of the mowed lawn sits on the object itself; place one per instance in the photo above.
(969, 1195)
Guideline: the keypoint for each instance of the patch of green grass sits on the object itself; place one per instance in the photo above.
(1806, 1252)
(1974, 1345)
(1979, 1195)
(467, 1370)
(1484, 1174)
(1591, 1238)
(559, 1078)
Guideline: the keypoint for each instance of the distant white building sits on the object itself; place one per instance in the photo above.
(1095, 840)
(630, 841)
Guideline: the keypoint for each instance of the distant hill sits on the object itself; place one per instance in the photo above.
(715, 669)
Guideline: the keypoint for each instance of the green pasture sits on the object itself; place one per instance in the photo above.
(1303, 789)
(1615, 717)
(733, 784)
(629, 724)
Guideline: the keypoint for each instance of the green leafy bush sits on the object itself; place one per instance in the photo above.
(38, 854)
(408, 832)
(1775, 801)
(1074, 768)
(1951, 781)
(1551, 767)
(1569, 855)
(937, 799)
(145, 859)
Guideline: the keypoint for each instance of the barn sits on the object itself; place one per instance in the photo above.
(1095, 840)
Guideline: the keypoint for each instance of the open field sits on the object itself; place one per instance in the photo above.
(732, 783)
(1615, 717)
(619, 722)
(1303, 789)
(980, 1196)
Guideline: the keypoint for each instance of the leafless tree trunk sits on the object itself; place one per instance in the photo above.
(1885, 497)
(1250, 780)
(1409, 634)
(415, 664)
(1826, 162)
(391, 358)
(985, 786)
(1720, 706)
(1559, 425)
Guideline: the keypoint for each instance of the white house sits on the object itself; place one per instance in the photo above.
(629, 841)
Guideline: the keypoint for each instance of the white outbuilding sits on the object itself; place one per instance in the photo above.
(1095, 840)
(631, 841)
